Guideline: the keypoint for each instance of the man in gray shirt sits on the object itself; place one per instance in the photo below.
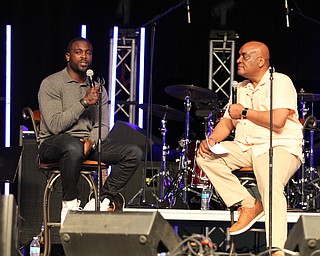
(69, 129)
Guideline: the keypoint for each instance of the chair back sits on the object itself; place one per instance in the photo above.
(35, 117)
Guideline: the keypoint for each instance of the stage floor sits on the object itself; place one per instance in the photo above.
(210, 216)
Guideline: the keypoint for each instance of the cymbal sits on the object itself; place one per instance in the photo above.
(304, 96)
(181, 91)
(160, 111)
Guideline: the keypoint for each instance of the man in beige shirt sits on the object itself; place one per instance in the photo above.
(250, 117)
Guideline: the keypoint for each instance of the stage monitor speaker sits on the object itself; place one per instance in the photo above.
(131, 133)
(8, 226)
(31, 183)
(304, 237)
(111, 233)
(132, 190)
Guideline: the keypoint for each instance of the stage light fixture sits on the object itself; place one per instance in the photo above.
(113, 49)
(220, 11)
(141, 74)
(8, 97)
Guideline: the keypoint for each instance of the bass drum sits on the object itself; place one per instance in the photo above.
(196, 176)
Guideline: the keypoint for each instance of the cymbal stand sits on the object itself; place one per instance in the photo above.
(305, 187)
(311, 186)
(175, 188)
(185, 160)
(304, 112)
(163, 176)
(165, 147)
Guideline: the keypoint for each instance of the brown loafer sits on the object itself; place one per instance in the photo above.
(247, 217)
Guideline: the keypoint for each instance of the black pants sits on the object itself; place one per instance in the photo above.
(68, 151)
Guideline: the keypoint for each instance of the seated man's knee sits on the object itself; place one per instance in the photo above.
(135, 152)
(74, 150)
(199, 161)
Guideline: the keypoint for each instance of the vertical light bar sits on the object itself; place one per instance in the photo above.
(8, 96)
(113, 75)
(141, 74)
(84, 31)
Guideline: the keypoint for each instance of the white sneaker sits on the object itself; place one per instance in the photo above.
(73, 205)
(104, 205)
(90, 206)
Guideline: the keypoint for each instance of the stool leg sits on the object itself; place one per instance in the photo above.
(45, 221)
(46, 213)
(232, 238)
(92, 186)
(45, 216)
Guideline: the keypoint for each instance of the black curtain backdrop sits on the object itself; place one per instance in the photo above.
(41, 30)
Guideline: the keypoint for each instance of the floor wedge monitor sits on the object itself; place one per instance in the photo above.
(110, 233)
(304, 237)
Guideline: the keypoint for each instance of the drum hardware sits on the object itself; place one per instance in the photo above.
(160, 111)
(163, 177)
(198, 178)
(304, 192)
(173, 188)
(304, 96)
(188, 93)
(297, 192)
(179, 183)
(309, 191)
(163, 172)
(209, 111)
(204, 109)
(195, 93)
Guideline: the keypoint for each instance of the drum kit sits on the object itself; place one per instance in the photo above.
(303, 190)
(188, 178)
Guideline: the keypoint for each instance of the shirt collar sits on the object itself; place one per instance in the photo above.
(68, 80)
(265, 78)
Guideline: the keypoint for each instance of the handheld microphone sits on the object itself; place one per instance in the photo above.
(188, 11)
(89, 74)
(287, 12)
(234, 92)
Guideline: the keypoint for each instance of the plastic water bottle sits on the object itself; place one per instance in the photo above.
(205, 198)
(35, 247)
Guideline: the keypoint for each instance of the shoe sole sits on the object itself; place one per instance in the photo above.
(238, 232)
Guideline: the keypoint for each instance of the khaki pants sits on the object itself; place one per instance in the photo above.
(219, 169)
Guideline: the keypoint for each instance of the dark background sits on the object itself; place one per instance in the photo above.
(41, 30)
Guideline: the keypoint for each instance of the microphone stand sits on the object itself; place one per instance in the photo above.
(153, 23)
(270, 161)
(101, 83)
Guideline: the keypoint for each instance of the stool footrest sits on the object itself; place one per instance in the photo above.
(54, 224)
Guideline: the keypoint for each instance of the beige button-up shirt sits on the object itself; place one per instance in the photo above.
(249, 135)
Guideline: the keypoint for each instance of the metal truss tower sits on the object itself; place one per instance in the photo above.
(124, 69)
(221, 62)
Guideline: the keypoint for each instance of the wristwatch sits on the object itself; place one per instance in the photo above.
(84, 103)
(93, 145)
(244, 113)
